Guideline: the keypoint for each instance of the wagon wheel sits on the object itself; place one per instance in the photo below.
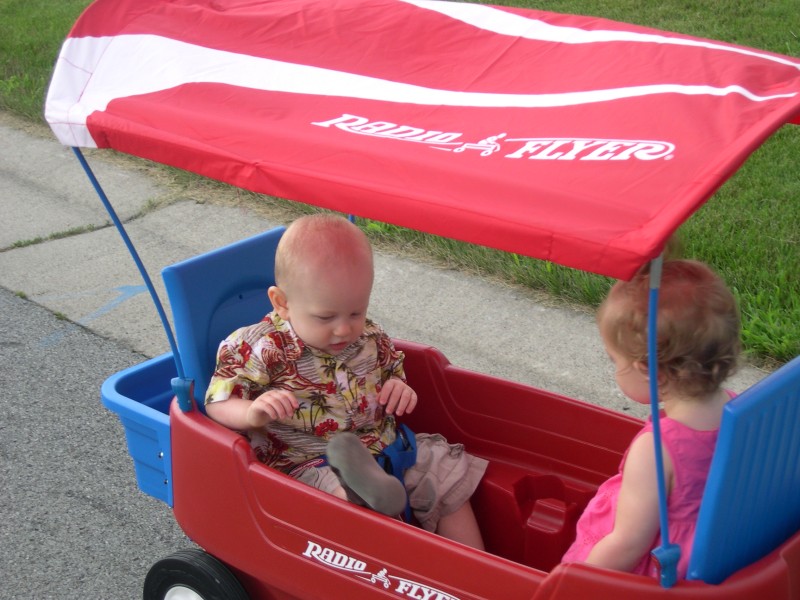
(191, 575)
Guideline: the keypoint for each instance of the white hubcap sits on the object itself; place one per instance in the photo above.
(180, 592)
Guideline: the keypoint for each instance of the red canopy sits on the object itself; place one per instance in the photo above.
(578, 140)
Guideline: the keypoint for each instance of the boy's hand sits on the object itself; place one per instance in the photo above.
(397, 397)
(271, 406)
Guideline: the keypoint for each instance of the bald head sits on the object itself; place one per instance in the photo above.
(320, 244)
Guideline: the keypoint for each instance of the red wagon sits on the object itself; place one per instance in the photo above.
(580, 141)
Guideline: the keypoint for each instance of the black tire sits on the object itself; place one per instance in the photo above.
(187, 571)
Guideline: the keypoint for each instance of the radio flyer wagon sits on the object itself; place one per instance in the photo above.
(581, 141)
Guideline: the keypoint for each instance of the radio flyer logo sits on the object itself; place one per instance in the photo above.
(533, 148)
(401, 586)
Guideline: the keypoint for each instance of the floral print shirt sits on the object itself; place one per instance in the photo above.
(335, 393)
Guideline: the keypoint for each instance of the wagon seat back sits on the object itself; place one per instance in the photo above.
(751, 503)
(213, 294)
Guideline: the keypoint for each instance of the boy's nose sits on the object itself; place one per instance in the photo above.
(342, 330)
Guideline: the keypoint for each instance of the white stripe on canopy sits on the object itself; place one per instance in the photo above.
(103, 69)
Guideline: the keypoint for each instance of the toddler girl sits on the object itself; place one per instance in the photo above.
(698, 345)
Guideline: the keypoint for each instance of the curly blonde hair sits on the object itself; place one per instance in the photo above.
(698, 325)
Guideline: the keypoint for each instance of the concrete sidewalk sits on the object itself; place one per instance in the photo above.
(89, 278)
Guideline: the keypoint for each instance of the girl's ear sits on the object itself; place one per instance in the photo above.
(642, 367)
(279, 302)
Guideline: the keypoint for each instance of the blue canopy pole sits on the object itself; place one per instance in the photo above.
(180, 385)
(666, 555)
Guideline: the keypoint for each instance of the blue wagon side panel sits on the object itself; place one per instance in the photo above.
(752, 498)
(140, 395)
(203, 314)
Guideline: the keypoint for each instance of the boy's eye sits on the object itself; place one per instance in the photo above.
(324, 318)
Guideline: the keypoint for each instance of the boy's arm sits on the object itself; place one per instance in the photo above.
(389, 358)
(636, 523)
(396, 395)
(240, 414)
(229, 398)
(231, 412)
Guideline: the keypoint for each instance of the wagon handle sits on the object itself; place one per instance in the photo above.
(667, 555)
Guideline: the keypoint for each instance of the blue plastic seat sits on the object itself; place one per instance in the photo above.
(751, 503)
(215, 293)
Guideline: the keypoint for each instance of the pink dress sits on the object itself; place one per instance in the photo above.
(690, 451)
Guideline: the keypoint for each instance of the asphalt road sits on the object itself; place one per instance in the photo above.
(74, 524)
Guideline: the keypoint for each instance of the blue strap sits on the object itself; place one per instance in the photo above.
(399, 456)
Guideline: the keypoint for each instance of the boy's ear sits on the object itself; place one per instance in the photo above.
(278, 299)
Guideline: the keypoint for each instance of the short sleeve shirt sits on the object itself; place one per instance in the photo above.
(335, 393)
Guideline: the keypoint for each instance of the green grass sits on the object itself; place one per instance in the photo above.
(749, 231)
(31, 33)
(54, 236)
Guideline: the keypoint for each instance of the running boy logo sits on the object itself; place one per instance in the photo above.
(401, 586)
(572, 149)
